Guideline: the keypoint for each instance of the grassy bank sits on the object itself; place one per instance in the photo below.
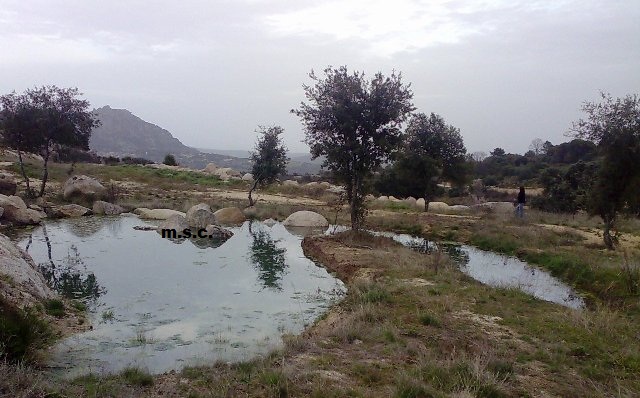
(412, 325)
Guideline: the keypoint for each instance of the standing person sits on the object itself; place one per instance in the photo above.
(522, 199)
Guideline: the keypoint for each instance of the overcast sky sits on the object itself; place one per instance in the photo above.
(503, 71)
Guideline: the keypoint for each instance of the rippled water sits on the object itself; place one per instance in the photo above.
(161, 305)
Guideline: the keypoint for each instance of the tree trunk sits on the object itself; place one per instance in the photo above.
(606, 234)
(255, 185)
(24, 174)
(45, 173)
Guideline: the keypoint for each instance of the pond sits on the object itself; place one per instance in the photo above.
(161, 305)
(499, 270)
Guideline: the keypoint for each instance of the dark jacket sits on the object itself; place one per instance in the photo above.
(521, 197)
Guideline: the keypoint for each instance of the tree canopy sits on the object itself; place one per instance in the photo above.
(43, 119)
(269, 158)
(432, 153)
(355, 124)
(614, 126)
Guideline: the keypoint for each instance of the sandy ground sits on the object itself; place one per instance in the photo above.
(594, 238)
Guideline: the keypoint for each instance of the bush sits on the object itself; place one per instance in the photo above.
(137, 377)
(170, 160)
(21, 332)
(54, 307)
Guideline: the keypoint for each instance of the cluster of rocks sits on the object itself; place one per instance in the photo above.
(442, 207)
(200, 216)
(226, 173)
(79, 188)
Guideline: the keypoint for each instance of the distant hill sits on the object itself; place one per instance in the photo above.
(299, 163)
(124, 134)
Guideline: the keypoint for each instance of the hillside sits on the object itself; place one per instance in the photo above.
(299, 162)
(124, 134)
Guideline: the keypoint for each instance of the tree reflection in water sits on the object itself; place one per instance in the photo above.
(268, 258)
(70, 278)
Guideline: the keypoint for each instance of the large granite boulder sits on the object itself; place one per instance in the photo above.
(71, 210)
(105, 208)
(156, 214)
(247, 177)
(17, 212)
(459, 209)
(229, 216)
(305, 218)
(176, 222)
(210, 168)
(84, 188)
(200, 215)
(20, 281)
(438, 207)
(290, 183)
(410, 201)
(8, 184)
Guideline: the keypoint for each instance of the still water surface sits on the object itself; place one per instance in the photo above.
(161, 305)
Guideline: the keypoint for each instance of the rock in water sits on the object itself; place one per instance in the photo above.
(200, 215)
(71, 210)
(17, 212)
(217, 232)
(156, 214)
(177, 222)
(230, 216)
(306, 218)
(83, 188)
(106, 208)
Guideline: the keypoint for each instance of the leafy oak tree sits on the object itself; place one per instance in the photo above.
(269, 158)
(614, 126)
(433, 152)
(44, 119)
(355, 124)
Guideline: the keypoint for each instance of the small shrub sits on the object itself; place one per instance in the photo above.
(374, 294)
(170, 160)
(54, 307)
(137, 377)
(428, 320)
(21, 333)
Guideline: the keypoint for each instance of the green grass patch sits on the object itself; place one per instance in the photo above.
(429, 320)
(22, 332)
(54, 307)
(137, 377)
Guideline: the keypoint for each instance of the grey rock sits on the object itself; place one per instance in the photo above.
(84, 188)
(156, 214)
(200, 215)
(106, 208)
(17, 212)
(306, 218)
(8, 184)
(71, 210)
(21, 282)
(229, 216)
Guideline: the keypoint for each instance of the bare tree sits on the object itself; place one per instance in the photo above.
(537, 146)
